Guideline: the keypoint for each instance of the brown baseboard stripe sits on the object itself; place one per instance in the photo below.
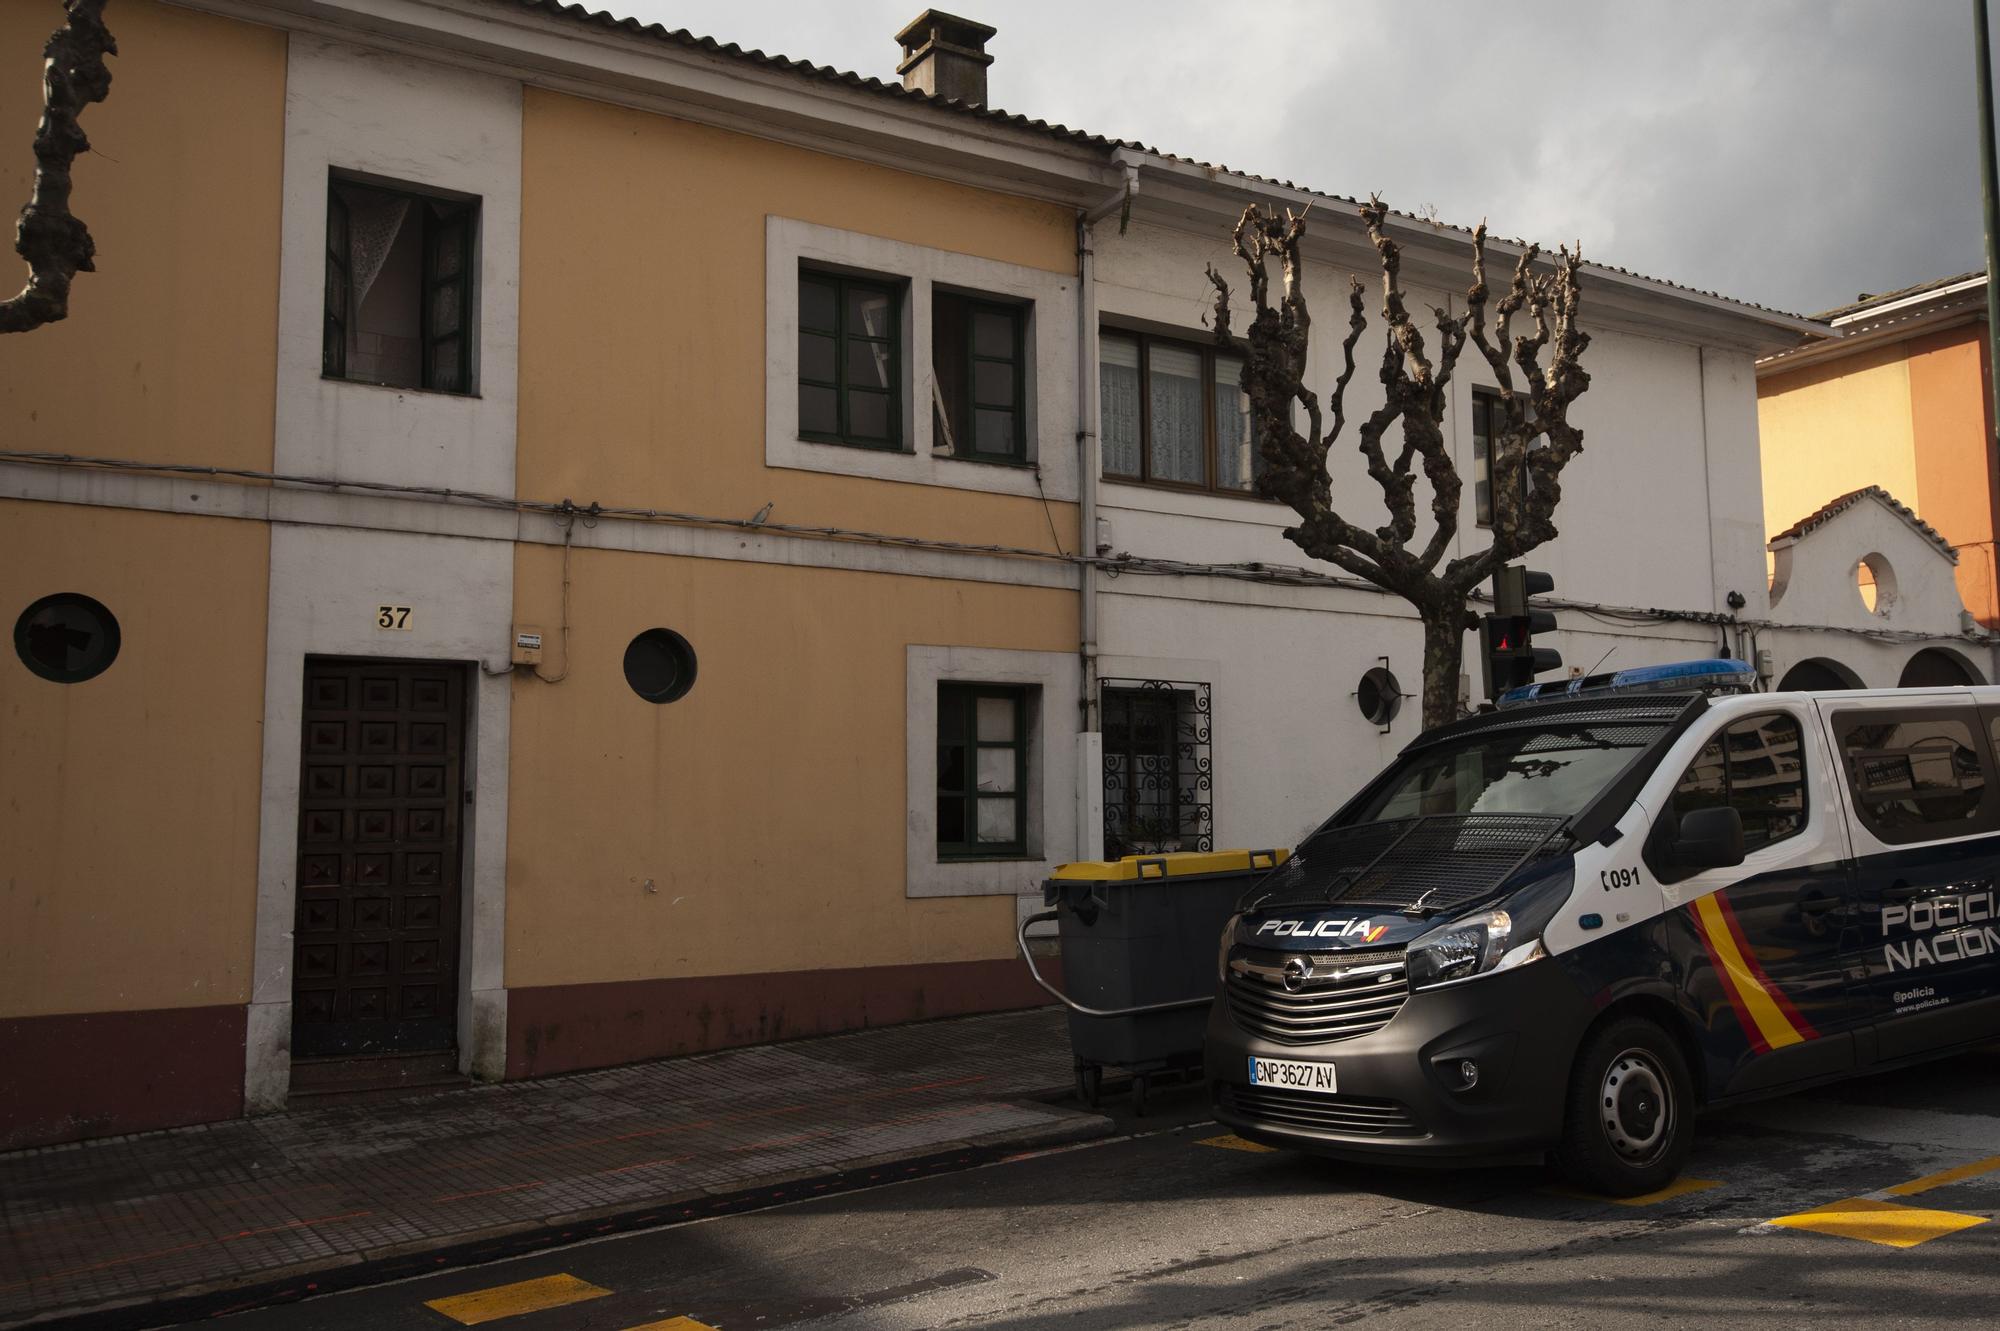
(92, 1074)
(571, 1027)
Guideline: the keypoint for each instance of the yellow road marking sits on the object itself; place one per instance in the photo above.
(1680, 1187)
(1944, 1176)
(525, 1296)
(1229, 1141)
(1888, 1223)
(673, 1324)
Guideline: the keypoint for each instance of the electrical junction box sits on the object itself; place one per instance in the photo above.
(527, 645)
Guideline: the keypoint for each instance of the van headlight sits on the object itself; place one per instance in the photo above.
(1475, 945)
(1222, 952)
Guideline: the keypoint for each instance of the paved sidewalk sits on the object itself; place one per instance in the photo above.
(361, 1189)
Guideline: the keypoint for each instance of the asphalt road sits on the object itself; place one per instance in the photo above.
(1180, 1227)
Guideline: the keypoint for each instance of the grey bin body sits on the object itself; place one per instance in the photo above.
(1139, 940)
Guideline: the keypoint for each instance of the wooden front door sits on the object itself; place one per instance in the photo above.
(381, 789)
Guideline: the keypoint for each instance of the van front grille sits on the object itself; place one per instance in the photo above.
(1346, 1115)
(1342, 996)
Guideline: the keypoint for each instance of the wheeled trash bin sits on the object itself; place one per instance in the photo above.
(1139, 938)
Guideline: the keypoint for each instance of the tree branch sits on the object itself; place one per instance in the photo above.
(1510, 444)
(1414, 393)
(1535, 399)
(57, 245)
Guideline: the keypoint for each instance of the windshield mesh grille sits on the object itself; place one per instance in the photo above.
(1567, 740)
(1432, 863)
(1653, 711)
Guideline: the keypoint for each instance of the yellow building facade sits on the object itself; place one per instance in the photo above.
(129, 801)
(1900, 400)
(549, 542)
(510, 677)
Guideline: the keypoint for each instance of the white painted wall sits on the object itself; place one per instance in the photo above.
(397, 121)
(1816, 580)
(1670, 441)
(325, 585)
(1815, 583)
(1288, 740)
(429, 127)
(1735, 478)
(1663, 508)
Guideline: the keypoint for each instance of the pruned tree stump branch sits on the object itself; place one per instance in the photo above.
(55, 243)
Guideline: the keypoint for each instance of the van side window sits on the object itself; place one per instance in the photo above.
(1757, 767)
(1914, 778)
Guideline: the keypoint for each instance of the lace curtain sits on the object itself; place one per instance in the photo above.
(1236, 462)
(1176, 449)
(1118, 404)
(1176, 402)
(374, 220)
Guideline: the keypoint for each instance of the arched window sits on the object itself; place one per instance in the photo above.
(1937, 667)
(1818, 673)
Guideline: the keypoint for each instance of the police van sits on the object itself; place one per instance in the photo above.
(1569, 924)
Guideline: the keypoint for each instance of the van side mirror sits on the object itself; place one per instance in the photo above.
(1709, 839)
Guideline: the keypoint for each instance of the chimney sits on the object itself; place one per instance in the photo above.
(945, 55)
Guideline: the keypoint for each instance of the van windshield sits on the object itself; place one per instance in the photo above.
(1554, 772)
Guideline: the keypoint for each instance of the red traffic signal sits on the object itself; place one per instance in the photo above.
(1506, 637)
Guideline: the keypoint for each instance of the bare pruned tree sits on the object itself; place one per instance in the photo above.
(1535, 437)
(55, 243)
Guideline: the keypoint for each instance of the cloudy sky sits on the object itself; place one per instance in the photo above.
(1790, 152)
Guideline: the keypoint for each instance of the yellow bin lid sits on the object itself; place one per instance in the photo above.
(1175, 864)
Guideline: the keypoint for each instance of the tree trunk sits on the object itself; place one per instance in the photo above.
(1444, 655)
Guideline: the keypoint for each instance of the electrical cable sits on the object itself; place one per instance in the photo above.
(1048, 512)
(1115, 565)
(567, 520)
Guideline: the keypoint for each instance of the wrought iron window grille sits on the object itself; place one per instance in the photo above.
(1158, 766)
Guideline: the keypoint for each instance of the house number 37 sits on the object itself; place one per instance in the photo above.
(392, 617)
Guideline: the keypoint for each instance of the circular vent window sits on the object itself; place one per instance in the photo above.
(67, 637)
(1379, 697)
(659, 665)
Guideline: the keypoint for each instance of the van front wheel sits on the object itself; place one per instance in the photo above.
(1629, 1123)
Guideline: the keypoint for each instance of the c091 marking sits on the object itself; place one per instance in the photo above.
(1613, 879)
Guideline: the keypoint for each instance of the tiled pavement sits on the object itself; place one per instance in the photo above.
(136, 1218)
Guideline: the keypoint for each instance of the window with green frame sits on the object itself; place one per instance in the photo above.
(399, 307)
(978, 355)
(982, 782)
(850, 360)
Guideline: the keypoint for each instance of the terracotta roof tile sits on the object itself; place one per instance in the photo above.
(1825, 513)
(1886, 297)
(806, 69)
(1063, 133)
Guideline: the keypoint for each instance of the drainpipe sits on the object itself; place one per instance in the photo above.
(1090, 792)
(1990, 197)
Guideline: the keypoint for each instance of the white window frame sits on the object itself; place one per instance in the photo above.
(1048, 353)
(1051, 801)
(386, 119)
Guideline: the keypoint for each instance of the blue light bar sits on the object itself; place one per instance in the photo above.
(1711, 676)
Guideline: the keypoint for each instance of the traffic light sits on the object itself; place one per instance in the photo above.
(1507, 636)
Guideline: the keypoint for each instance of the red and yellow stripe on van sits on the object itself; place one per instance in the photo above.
(1768, 1017)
